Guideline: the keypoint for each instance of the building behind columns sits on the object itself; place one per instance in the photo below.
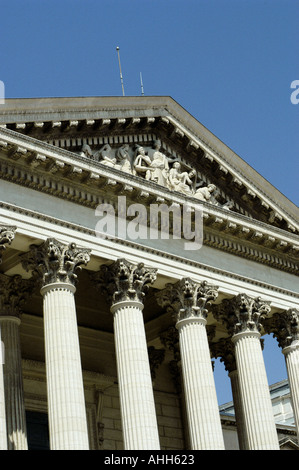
(109, 324)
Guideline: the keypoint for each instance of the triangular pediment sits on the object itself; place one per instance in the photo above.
(112, 131)
(88, 151)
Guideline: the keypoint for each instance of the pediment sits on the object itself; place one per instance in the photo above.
(113, 132)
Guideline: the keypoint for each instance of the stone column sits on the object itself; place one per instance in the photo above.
(243, 316)
(6, 237)
(188, 301)
(285, 327)
(13, 293)
(55, 264)
(225, 350)
(125, 285)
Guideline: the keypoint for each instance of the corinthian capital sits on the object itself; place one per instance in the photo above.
(14, 291)
(187, 299)
(242, 313)
(284, 326)
(54, 262)
(7, 234)
(123, 280)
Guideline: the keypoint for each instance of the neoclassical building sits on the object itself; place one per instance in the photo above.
(109, 323)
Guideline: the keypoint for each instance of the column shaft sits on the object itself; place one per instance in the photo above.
(292, 364)
(66, 403)
(13, 384)
(261, 431)
(3, 434)
(139, 421)
(237, 399)
(201, 400)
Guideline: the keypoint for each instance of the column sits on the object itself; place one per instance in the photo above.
(243, 316)
(285, 327)
(6, 237)
(55, 264)
(3, 435)
(126, 284)
(225, 350)
(13, 293)
(188, 301)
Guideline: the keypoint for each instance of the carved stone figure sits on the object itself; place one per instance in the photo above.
(86, 151)
(123, 158)
(105, 156)
(204, 194)
(142, 163)
(181, 182)
(159, 166)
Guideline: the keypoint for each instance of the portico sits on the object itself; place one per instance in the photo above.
(88, 311)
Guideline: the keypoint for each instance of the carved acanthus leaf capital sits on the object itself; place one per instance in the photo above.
(156, 357)
(242, 313)
(14, 291)
(284, 326)
(122, 280)
(225, 350)
(187, 299)
(54, 261)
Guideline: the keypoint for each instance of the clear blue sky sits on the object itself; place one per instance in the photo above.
(230, 63)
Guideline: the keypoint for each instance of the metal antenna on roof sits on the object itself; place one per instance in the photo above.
(121, 77)
(142, 90)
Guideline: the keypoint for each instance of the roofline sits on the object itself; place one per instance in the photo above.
(164, 103)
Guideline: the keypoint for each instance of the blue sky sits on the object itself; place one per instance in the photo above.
(230, 63)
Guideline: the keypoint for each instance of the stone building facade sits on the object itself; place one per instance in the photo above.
(111, 314)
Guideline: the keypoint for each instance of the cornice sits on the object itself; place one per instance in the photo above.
(122, 113)
(40, 166)
(161, 254)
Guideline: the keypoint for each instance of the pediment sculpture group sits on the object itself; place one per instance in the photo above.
(157, 168)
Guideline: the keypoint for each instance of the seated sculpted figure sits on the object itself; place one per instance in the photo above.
(204, 194)
(181, 182)
(86, 151)
(142, 163)
(105, 157)
(159, 166)
(123, 158)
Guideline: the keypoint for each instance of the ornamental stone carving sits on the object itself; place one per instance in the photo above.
(54, 261)
(187, 299)
(14, 291)
(156, 357)
(7, 234)
(284, 326)
(124, 281)
(153, 165)
(225, 350)
(242, 313)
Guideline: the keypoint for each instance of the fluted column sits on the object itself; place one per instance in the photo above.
(225, 350)
(285, 327)
(55, 264)
(125, 285)
(243, 316)
(3, 434)
(188, 301)
(13, 293)
(6, 237)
